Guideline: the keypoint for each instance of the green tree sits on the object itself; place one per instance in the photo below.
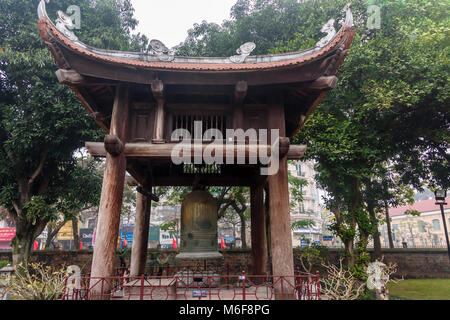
(264, 22)
(390, 105)
(41, 122)
(173, 227)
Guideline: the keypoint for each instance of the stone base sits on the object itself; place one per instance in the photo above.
(199, 255)
(204, 279)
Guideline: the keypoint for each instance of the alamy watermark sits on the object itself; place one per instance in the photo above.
(75, 15)
(374, 17)
(237, 147)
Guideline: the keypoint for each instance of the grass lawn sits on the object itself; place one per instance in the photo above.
(421, 289)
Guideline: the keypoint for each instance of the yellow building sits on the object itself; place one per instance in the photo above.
(423, 231)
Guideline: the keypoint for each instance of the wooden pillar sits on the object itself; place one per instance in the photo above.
(280, 223)
(140, 236)
(240, 92)
(279, 210)
(158, 94)
(280, 234)
(258, 224)
(103, 262)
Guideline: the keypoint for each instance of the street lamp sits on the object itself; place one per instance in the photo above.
(440, 196)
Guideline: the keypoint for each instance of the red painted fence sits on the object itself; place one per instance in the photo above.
(195, 286)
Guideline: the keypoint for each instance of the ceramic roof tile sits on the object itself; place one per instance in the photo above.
(48, 30)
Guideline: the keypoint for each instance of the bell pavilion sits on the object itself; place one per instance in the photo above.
(141, 99)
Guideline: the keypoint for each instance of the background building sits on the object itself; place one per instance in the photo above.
(310, 208)
(423, 231)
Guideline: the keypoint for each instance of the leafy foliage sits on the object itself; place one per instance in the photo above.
(386, 125)
(264, 22)
(35, 281)
(171, 227)
(340, 283)
(41, 121)
(385, 128)
(313, 256)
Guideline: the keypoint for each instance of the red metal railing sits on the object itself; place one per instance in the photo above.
(197, 286)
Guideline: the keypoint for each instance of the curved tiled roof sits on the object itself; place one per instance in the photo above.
(254, 63)
(421, 206)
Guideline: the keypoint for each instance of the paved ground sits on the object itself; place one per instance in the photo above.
(149, 292)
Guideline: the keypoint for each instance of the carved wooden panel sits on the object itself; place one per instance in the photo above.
(255, 118)
(142, 123)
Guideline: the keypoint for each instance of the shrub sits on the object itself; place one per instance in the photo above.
(35, 281)
(340, 283)
(313, 256)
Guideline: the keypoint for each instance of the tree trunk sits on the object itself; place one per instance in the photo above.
(350, 250)
(76, 237)
(243, 233)
(373, 221)
(22, 243)
(234, 233)
(388, 226)
(48, 241)
(52, 232)
(376, 233)
(345, 238)
(21, 248)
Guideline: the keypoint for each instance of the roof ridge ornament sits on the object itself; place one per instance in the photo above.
(243, 52)
(162, 52)
(64, 23)
(42, 12)
(348, 15)
(329, 29)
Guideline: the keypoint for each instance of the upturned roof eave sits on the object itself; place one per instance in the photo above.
(52, 36)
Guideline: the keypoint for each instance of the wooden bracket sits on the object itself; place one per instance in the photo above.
(147, 193)
(284, 144)
(324, 83)
(69, 77)
(240, 91)
(98, 116)
(158, 89)
(113, 145)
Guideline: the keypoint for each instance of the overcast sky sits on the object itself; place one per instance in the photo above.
(169, 20)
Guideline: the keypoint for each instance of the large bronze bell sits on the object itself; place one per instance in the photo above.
(199, 227)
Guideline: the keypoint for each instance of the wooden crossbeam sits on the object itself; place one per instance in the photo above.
(132, 182)
(164, 151)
